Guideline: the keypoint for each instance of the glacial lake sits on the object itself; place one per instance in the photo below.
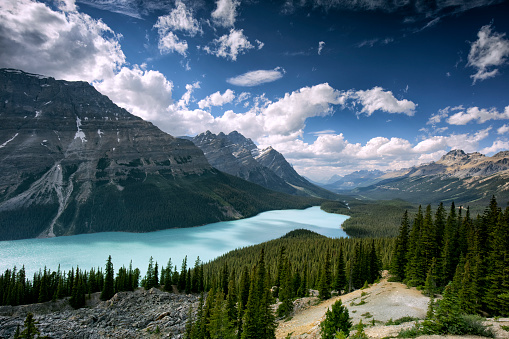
(208, 242)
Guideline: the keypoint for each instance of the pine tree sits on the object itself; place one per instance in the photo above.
(430, 286)
(303, 287)
(415, 273)
(108, 290)
(428, 239)
(168, 281)
(231, 300)
(375, 266)
(325, 283)
(337, 319)
(30, 330)
(340, 277)
(450, 254)
(399, 257)
(285, 290)
(219, 325)
(182, 276)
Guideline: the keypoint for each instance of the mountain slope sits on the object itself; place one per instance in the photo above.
(355, 179)
(73, 162)
(463, 178)
(237, 155)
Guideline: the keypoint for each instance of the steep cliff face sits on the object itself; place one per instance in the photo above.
(71, 162)
(237, 155)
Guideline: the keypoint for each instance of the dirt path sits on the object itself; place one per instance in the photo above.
(376, 304)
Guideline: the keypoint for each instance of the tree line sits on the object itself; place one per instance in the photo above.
(470, 254)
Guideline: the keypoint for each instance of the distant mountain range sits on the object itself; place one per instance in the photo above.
(355, 179)
(237, 155)
(465, 178)
(72, 162)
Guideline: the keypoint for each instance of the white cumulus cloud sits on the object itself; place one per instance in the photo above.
(179, 19)
(503, 129)
(217, 99)
(143, 93)
(488, 53)
(225, 13)
(66, 45)
(481, 115)
(230, 45)
(377, 99)
(169, 43)
(255, 78)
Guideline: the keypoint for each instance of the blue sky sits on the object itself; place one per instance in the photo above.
(336, 86)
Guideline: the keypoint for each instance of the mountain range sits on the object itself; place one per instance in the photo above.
(465, 178)
(73, 162)
(239, 156)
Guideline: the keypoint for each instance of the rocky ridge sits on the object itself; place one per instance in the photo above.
(139, 314)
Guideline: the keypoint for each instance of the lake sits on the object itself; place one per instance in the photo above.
(208, 242)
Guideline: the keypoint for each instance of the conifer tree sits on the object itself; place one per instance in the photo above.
(337, 319)
(430, 286)
(108, 290)
(415, 272)
(303, 288)
(375, 266)
(399, 257)
(340, 277)
(182, 276)
(285, 290)
(324, 288)
(450, 254)
(219, 325)
(168, 281)
(30, 330)
(231, 300)
(428, 240)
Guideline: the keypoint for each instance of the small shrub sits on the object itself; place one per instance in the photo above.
(364, 294)
(400, 321)
(505, 328)
(367, 315)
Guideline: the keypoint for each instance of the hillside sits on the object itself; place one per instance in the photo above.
(73, 162)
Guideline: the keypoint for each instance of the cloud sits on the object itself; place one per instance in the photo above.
(260, 44)
(321, 44)
(169, 43)
(443, 113)
(65, 45)
(373, 42)
(143, 93)
(230, 45)
(179, 19)
(488, 53)
(133, 8)
(498, 145)
(255, 78)
(225, 13)
(503, 129)
(333, 154)
(475, 113)
(378, 99)
(217, 99)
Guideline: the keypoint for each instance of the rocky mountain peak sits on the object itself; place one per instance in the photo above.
(454, 155)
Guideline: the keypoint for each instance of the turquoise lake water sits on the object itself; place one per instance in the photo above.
(208, 242)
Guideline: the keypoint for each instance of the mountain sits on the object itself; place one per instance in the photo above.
(72, 162)
(465, 178)
(239, 156)
(355, 179)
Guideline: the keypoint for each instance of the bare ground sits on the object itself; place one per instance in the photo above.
(375, 306)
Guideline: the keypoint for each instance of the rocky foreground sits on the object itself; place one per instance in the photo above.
(139, 314)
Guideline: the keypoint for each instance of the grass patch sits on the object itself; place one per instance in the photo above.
(505, 328)
(367, 315)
